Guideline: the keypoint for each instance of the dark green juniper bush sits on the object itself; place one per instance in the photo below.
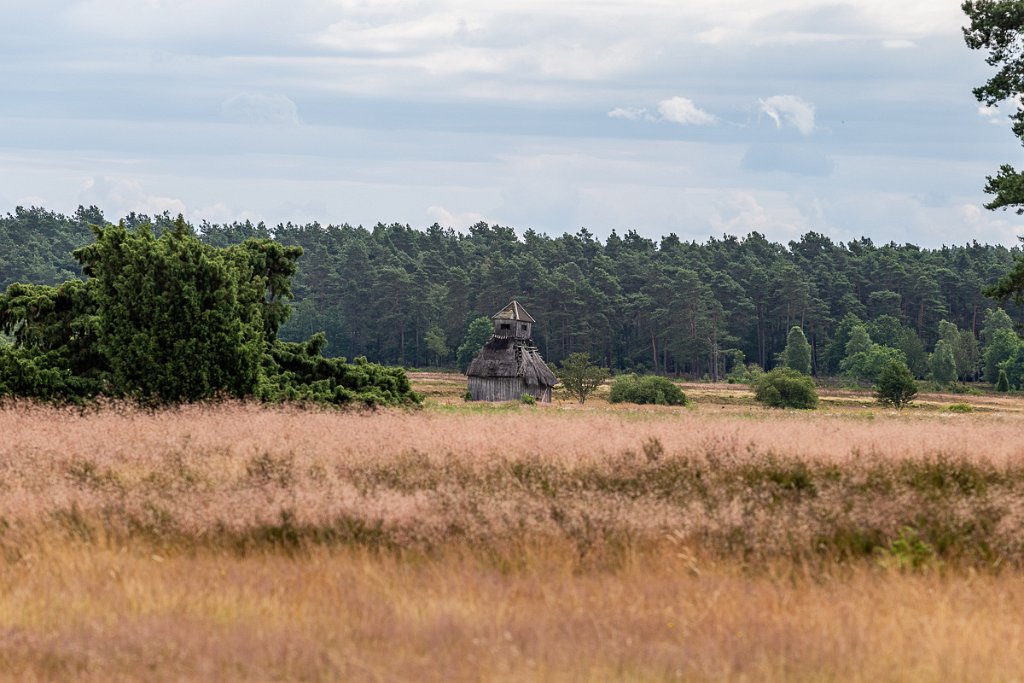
(169, 319)
(896, 386)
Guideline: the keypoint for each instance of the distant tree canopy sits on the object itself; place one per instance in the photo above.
(167, 319)
(402, 296)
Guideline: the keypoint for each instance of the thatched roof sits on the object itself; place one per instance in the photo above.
(503, 357)
(513, 311)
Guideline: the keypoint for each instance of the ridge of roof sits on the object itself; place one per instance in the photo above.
(513, 310)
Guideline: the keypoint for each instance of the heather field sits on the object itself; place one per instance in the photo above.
(477, 542)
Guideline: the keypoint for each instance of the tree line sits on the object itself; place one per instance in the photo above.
(403, 296)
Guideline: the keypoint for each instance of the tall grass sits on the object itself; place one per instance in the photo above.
(244, 543)
(240, 478)
(98, 612)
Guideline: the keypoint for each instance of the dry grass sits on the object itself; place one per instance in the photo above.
(97, 613)
(468, 542)
(755, 486)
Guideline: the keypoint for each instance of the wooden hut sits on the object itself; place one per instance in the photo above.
(509, 365)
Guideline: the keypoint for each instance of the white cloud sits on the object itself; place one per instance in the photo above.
(629, 113)
(996, 114)
(684, 112)
(981, 225)
(221, 213)
(741, 211)
(411, 46)
(898, 44)
(121, 196)
(448, 219)
(260, 108)
(681, 110)
(714, 36)
(33, 200)
(789, 110)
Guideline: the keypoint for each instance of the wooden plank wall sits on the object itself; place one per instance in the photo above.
(503, 389)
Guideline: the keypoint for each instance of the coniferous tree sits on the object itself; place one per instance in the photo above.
(895, 386)
(797, 354)
(179, 320)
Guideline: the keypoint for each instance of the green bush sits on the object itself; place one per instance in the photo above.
(908, 552)
(959, 388)
(786, 388)
(579, 377)
(896, 386)
(528, 399)
(1003, 383)
(960, 408)
(866, 366)
(650, 389)
(754, 373)
(168, 319)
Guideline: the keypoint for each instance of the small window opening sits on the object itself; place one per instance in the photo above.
(506, 326)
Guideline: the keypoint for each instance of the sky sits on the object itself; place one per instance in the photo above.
(852, 119)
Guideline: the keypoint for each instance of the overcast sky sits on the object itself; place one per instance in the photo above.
(699, 118)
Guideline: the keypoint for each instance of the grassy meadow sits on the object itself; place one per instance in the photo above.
(553, 542)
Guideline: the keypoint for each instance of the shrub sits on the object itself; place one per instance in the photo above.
(960, 408)
(1014, 368)
(1003, 383)
(169, 319)
(959, 388)
(908, 552)
(738, 375)
(528, 399)
(896, 386)
(866, 366)
(738, 370)
(786, 388)
(580, 377)
(650, 389)
(754, 373)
